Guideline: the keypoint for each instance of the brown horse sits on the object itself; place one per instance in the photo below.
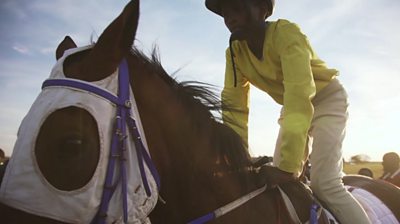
(202, 163)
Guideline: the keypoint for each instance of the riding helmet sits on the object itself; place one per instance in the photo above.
(215, 6)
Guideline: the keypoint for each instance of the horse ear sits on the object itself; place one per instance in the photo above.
(66, 44)
(114, 43)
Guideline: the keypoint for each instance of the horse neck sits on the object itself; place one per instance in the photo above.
(167, 122)
(182, 150)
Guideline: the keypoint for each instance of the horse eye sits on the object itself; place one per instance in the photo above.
(71, 147)
(74, 142)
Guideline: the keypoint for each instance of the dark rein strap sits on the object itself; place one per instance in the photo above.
(118, 143)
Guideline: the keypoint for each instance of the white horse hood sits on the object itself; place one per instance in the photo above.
(25, 188)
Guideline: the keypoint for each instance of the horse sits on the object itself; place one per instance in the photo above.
(201, 165)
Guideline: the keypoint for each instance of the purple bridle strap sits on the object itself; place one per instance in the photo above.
(314, 213)
(118, 142)
(203, 219)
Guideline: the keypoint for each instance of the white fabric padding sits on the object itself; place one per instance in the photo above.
(376, 210)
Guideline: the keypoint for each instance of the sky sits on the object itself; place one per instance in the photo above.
(357, 37)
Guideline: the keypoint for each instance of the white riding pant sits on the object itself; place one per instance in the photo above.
(325, 139)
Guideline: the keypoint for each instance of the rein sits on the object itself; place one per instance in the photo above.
(118, 149)
(315, 211)
(228, 207)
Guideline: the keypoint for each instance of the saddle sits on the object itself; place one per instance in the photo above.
(257, 162)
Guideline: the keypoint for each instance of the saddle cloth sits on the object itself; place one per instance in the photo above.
(376, 210)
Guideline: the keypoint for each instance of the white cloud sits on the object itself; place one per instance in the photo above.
(21, 49)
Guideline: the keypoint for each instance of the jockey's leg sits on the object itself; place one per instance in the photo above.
(327, 132)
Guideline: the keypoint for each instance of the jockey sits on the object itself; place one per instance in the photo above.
(276, 57)
(391, 168)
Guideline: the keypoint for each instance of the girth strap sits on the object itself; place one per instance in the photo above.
(290, 207)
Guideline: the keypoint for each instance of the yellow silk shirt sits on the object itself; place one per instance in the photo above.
(290, 72)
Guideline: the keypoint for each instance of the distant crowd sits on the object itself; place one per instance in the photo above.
(3, 164)
(391, 169)
(3, 157)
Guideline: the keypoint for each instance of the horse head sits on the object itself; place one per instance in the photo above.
(73, 154)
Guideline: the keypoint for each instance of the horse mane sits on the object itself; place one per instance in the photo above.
(204, 106)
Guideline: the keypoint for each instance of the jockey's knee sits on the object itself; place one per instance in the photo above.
(326, 189)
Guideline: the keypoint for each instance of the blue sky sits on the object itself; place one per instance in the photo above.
(361, 38)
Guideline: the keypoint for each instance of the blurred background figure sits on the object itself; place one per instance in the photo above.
(366, 172)
(391, 168)
(3, 164)
(3, 157)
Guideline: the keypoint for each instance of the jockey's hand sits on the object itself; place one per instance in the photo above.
(273, 176)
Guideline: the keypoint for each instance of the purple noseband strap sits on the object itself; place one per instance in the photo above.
(118, 143)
